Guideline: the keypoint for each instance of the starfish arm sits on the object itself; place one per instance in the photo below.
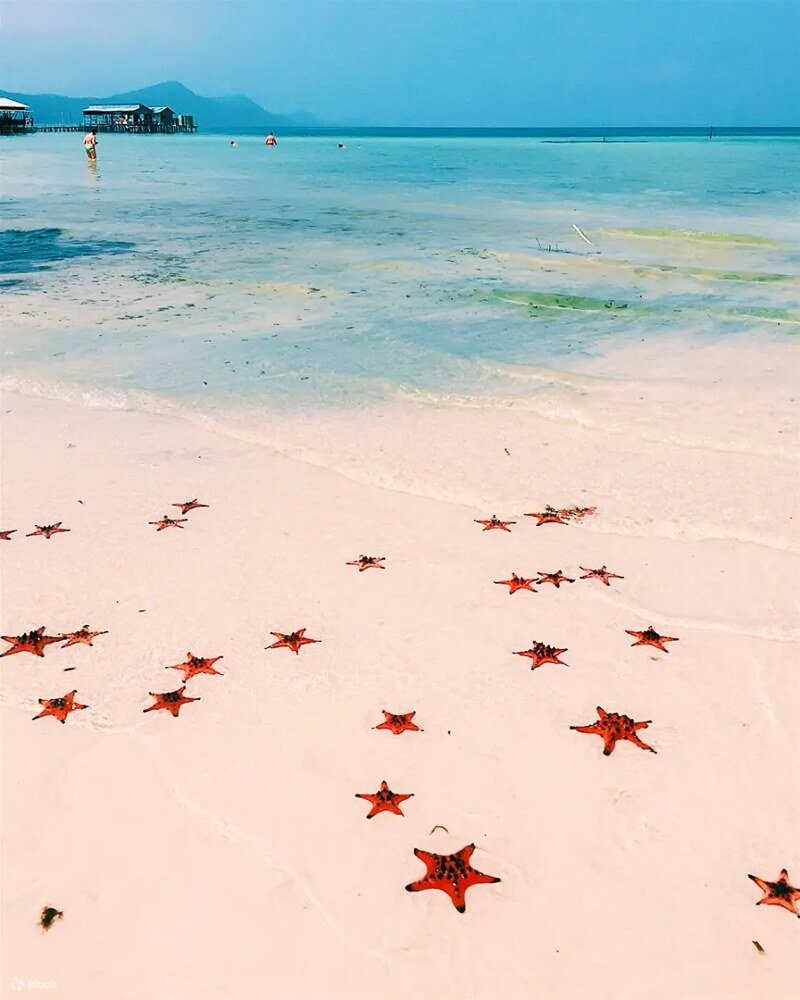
(609, 742)
(642, 725)
(633, 738)
(593, 729)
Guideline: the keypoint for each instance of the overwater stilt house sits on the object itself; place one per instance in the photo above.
(15, 118)
(136, 118)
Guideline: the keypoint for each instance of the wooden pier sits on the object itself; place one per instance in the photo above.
(120, 129)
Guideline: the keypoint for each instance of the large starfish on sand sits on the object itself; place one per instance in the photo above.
(169, 700)
(188, 505)
(651, 638)
(30, 642)
(48, 530)
(540, 653)
(452, 873)
(368, 562)
(384, 800)
(613, 727)
(549, 516)
(495, 524)
(169, 522)
(83, 635)
(556, 578)
(196, 665)
(59, 707)
(5, 536)
(600, 574)
(291, 640)
(398, 723)
(518, 583)
(778, 893)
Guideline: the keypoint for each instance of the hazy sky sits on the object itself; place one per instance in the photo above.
(427, 62)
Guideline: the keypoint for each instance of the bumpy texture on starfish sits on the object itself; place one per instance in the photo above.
(188, 505)
(384, 800)
(518, 583)
(651, 638)
(600, 574)
(83, 635)
(170, 700)
(549, 516)
(540, 653)
(47, 529)
(169, 522)
(398, 723)
(555, 578)
(59, 707)
(613, 727)
(292, 640)
(368, 562)
(5, 536)
(778, 893)
(495, 524)
(30, 642)
(196, 665)
(452, 873)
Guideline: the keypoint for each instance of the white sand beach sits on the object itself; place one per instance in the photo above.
(223, 855)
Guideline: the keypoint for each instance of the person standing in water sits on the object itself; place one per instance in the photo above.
(271, 140)
(90, 144)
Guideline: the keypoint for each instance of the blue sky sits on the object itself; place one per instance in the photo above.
(427, 62)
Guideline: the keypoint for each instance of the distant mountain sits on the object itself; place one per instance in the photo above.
(233, 112)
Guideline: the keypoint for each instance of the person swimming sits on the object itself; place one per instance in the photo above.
(271, 140)
(234, 143)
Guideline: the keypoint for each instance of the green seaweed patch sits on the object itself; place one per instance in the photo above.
(762, 277)
(662, 232)
(764, 312)
(580, 303)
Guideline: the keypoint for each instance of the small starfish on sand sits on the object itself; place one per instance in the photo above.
(83, 635)
(196, 665)
(47, 529)
(778, 893)
(540, 653)
(613, 727)
(188, 505)
(384, 800)
(398, 723)
(59, 707)
(518, 583)
(452, 873)
(292, 640)
(5, 536)
(30, 642)
(577, 512)
(549, 516)
(169, 522)
(170, 700)
(368, 562)
(495, 524)
(600, 574)
(651, 638)
(555, 578)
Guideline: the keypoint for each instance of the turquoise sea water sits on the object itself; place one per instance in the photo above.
(187, 270)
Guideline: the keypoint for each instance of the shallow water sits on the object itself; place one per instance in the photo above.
(187, 271)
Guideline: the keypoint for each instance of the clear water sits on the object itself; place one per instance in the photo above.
(183, 269)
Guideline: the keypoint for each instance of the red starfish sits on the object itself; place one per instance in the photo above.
(368, 562)
(651, 638)
(549, 516)
(600, 574)
(47, 529)
(778, 893)
(452, 873)
(384, 800)
(518, 583)
(555, 578)
(30, 642)
(613, 727)
(188, 505)
(541, 653)
(171, 700)
(495, 523)
(398, 723)
(169, 522)
(196, 665)
(6, 535)
(59, 707)
(82, 635)
(292, 640)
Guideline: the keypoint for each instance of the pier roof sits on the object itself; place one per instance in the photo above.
(6, 104)
(115, 109)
